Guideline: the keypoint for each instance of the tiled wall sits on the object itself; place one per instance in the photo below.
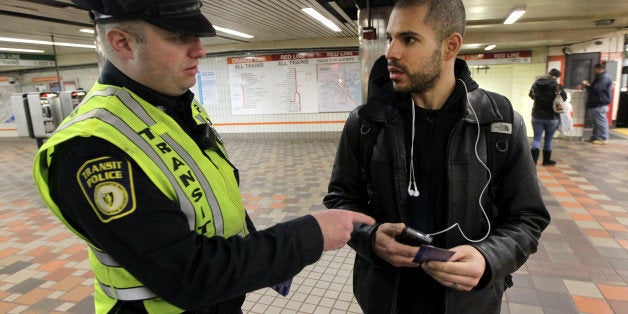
(83, 77)
(513, 81)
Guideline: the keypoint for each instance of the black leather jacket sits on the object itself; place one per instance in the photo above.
(515, 207)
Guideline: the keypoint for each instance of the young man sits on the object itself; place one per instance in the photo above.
(599, 95)
(138, 172)
(428, 169)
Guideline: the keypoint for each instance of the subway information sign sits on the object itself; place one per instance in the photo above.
(515, 57)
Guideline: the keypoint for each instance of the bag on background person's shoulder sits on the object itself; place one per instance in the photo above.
(566, 122)
(560, 106)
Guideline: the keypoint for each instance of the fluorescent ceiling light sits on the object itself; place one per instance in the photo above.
(319, 17)
(472, 46)
(74, 45)
(25, 41)
(340, 11)
(490, 47)
(232, 32)
(515, 15)
(21, 50)
(44, 42)
(87, 30)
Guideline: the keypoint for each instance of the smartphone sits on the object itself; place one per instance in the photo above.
(413, 237)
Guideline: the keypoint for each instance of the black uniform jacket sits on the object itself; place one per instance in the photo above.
(155, 243)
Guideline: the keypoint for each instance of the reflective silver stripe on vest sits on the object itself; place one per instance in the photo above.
(129, 294)
(139, 111)
(120, 125)
(104, 258)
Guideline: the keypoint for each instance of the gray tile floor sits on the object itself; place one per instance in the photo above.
(581, 265)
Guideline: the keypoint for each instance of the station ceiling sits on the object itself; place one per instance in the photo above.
(545, 24)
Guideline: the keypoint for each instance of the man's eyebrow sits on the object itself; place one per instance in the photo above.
(403, 34)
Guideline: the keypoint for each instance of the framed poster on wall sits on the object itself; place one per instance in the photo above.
(302, 82)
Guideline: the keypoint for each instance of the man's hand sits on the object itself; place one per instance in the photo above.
(387, 248)
(337, 225)
(463, 270)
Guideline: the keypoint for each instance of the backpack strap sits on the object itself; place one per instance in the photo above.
(368, 136)
(499, 140)
(499, 135)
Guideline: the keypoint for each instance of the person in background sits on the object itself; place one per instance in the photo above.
(544, 119)
(138, 172)
(598, 98)
(425, 172)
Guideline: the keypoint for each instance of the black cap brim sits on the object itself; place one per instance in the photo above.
(195, 25)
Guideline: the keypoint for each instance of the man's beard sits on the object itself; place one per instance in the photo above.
(424, 79)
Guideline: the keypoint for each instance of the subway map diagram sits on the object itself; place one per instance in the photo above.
(294, 83)
(338, 87)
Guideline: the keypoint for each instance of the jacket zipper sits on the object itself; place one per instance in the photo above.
(455, 129)
(395, 162)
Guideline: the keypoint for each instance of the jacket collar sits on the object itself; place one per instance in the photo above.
(481, 107)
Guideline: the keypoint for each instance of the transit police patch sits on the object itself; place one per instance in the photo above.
(107, 183)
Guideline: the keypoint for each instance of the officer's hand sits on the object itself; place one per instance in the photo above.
(463, 270)
(337, 225)
(387, 248)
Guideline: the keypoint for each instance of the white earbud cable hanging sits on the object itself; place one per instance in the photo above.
(412, 189)
(477, 156)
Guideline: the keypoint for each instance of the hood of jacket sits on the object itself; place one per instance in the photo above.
(546, 85)
(384, 103)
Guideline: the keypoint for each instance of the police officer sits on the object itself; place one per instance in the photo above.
(138, 172)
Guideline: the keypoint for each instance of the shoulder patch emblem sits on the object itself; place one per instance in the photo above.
(107, 184)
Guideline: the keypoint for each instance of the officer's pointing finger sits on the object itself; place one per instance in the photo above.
(359, 217)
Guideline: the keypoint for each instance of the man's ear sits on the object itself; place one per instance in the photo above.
(120, 42)
(451, 46)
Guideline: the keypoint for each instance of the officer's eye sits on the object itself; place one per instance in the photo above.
(183, 38)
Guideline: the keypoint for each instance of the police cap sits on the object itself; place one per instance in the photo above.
(177, 16)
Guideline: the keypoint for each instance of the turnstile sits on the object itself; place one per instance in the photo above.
(37, 115)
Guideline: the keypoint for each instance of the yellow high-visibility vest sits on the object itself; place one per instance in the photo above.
(206, 190)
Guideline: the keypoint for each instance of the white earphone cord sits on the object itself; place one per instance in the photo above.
(477, 156)
(412, 189)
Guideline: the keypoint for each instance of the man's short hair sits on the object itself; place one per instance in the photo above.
(600, 66)
(445, 16)
(133, 27)
(554, 73)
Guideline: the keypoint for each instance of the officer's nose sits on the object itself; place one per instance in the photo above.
(197, 50)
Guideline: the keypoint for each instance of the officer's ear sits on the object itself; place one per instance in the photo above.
(121, 42)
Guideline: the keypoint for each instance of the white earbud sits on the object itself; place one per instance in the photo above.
(413, 191)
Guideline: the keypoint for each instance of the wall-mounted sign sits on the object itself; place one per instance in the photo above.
(207, 88)
(45, 79)
(305, 82)
(498, 58)
(18, 59)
